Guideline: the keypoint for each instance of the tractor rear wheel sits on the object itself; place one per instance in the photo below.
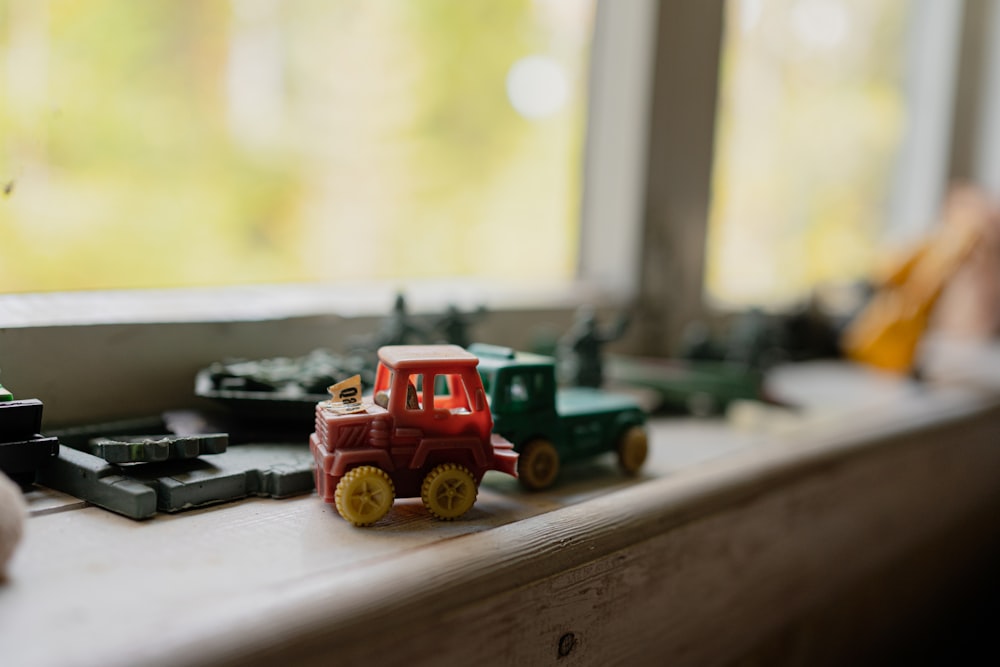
(449, 491)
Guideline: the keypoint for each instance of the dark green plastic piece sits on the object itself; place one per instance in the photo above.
(139, 490)
(80, 436)
(20, 420)
(153, 448)
(99, 482)
(23, 450)
(281, 388)
(20, 459)
(700, 387)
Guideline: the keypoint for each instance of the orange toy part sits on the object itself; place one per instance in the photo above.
(886, 333)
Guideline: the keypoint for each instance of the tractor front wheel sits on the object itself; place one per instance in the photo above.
(364, 495)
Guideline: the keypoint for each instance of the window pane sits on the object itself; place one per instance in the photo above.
(173, 143)
(811, 119)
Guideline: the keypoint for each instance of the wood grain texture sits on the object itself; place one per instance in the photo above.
(636, 579)
(726, 539)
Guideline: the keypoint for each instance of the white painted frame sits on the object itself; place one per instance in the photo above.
(931, 78)
(618, 123)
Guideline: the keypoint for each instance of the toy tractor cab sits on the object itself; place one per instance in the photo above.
(426, 432)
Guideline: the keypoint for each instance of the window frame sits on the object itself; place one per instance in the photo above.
(647, 176)
(932, 71)
(106, 355)
(975, 153)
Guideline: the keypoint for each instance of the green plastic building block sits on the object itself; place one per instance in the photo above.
(99, 482)
(139, 490)
(80, 436)
(23, 450)
(154, 448)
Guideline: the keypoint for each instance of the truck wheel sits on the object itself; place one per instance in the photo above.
(632, 449)
(364, 495)
(449, 491)
(538, 465)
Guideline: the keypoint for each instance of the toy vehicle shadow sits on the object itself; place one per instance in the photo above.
(410, 515)
(599, 475)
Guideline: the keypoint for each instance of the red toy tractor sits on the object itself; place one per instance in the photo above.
(426, 432)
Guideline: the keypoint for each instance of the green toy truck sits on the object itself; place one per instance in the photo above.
(550, 426)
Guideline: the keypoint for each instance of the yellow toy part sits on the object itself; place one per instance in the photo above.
(364, 495)
(886, 333)
(449, 491)
(538, 465)
(632, 449)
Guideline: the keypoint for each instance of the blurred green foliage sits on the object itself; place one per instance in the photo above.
(181, 142)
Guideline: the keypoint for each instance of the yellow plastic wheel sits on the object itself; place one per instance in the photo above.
(364, 495)
(538, 465)
(632, 449)
(449, 491)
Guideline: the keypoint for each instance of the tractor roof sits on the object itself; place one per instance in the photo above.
(408, 357)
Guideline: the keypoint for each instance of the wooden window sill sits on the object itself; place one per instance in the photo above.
(728, 538)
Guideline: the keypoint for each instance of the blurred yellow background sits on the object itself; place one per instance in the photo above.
(811, 116)
(182, 142)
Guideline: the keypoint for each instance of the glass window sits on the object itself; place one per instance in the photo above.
(179, 143)
(517, 391)
(812, 117)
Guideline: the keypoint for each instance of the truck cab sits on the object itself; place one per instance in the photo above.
(549, 425)
(426, 431)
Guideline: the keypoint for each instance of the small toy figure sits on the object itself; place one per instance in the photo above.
(454, 325)
(582, 347)
(697, 343)
(758, 340)
(755, 340)
(427, 433)
(398, 328)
